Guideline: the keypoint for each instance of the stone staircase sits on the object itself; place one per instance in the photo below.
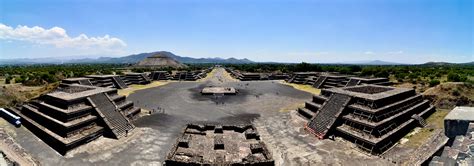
(146, 78)
(155, 76)
(319, 82)
(115, 121)
(420, 120)
(85, 82)
(327, 115)
(352, 82)
(119, 82)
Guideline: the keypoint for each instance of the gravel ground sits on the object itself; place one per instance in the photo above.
(258, 102)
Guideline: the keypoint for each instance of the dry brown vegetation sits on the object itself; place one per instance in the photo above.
(451, 94)
(12, 94)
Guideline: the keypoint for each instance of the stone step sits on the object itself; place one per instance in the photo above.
(320, 99)
(314, 107)
(306, 113)
(58, 127)
(132, 111)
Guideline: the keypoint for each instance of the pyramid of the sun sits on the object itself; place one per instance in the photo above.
(160, 60)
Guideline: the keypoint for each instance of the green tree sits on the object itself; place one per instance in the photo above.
(382, 73)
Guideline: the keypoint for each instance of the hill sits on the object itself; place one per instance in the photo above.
(132, 59)
(373, 62)
(446, 64)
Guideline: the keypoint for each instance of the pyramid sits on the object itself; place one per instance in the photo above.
(159, 60)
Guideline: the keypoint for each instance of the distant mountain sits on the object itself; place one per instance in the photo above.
(374, 62)
(132, 59)
(446, 63)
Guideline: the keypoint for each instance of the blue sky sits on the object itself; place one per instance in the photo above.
(407, 31)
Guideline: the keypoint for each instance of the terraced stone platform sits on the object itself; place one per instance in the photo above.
(160, 75)
(111, 81)
(333, 80)
(136, 78)
(75, 114)
(252, 76)
(371, 116)
(189, 75)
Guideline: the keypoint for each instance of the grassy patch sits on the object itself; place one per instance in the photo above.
(437, 118)
(227, 76)
(306, 88)
(12, 94)
(435, 121)
(132, 88)
(208, 76)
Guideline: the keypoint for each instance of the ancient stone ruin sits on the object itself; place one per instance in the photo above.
(248, 76)
(459, 128)
(136, 78)
(371, 116)
(113, 81)
(215, 144)
(75, 114)
(159, 60)
(325, 80)
(343, 81)
(303, 77)
(78, 80)
(160, 75)
(188, 75)
(218, 91)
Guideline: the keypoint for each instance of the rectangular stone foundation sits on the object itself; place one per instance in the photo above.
(202, 144)
(218, 90)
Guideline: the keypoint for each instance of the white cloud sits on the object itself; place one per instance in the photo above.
(395, 52)
(369, 53)
(58, 37)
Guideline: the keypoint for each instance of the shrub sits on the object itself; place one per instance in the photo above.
(8, 79)
(456, 92)
(434, 83)
(453, 77)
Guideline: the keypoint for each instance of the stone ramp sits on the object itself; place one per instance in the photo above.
(115, 121)
(319, 81)
(352, 82)
(327, 115)
(118, 82)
